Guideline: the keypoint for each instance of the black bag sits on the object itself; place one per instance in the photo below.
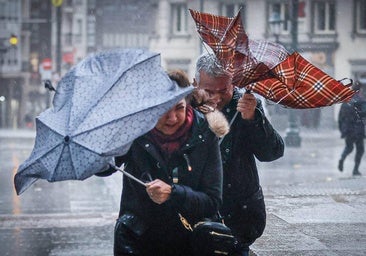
(210, 238)
(127, 233)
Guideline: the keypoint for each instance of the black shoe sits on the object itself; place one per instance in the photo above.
(356, 173)
(340, 165)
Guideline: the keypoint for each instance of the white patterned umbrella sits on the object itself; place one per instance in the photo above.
(101, 105)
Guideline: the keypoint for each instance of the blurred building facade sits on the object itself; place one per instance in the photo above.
(55, 35)
(11, 76)
(21, 96)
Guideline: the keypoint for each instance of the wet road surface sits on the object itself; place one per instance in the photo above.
(312, 208)
(61, 218)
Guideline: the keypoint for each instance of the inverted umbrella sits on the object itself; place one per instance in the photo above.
(266, 68)
(101, 105)
(248, 60)
(304, 86)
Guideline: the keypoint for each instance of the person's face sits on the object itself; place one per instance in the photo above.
(219, 89)
(172, 120)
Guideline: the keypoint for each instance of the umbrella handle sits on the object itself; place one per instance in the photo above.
(231, 122)
(128, 175)
(249, 91)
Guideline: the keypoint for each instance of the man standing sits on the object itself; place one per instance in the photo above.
(251, 136)
(352, 128)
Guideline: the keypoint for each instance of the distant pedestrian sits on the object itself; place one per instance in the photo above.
(352, 127)
(28, 120)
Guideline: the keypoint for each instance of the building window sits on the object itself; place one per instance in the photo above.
(360, 16)
(324, 17)
(2, 10)
(281, 10)
(179, 18)
(231, 9)
(78, 29)
(91, 31)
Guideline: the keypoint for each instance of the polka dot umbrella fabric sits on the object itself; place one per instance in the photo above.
(100, 106)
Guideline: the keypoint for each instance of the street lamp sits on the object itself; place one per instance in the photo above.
(292, 138)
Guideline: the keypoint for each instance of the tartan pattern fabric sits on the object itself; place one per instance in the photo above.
(248, 60)
(303, 87)
(267, 68)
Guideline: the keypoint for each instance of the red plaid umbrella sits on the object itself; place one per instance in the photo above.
(266, 68)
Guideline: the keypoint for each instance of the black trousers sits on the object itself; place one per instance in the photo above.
(360, 149)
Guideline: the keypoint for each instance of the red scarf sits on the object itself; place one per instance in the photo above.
(171, 143)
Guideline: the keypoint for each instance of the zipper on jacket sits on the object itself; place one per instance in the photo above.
(189, 167)
(219, 234)
(175, 175)
(221, 252)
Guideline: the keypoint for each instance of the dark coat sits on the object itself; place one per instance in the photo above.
(198, 193)
(350, 123)
(243, 203)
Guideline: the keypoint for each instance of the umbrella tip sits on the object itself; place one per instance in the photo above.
(347, 82)
(48, 85)
(356, 86)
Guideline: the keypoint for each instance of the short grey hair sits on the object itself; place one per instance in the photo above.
(208, 63)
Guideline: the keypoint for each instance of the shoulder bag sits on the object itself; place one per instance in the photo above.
(210, 238)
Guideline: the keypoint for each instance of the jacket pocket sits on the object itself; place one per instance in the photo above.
(255, 214)
(248, 221)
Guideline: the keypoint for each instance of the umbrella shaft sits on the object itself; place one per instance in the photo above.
(129, 175)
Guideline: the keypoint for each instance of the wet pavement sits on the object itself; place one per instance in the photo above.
(313, 209)
(61, 218)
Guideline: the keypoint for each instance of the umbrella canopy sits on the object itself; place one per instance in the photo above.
(248, 60)
(101, 105)
(302, 87)
(286, 79)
